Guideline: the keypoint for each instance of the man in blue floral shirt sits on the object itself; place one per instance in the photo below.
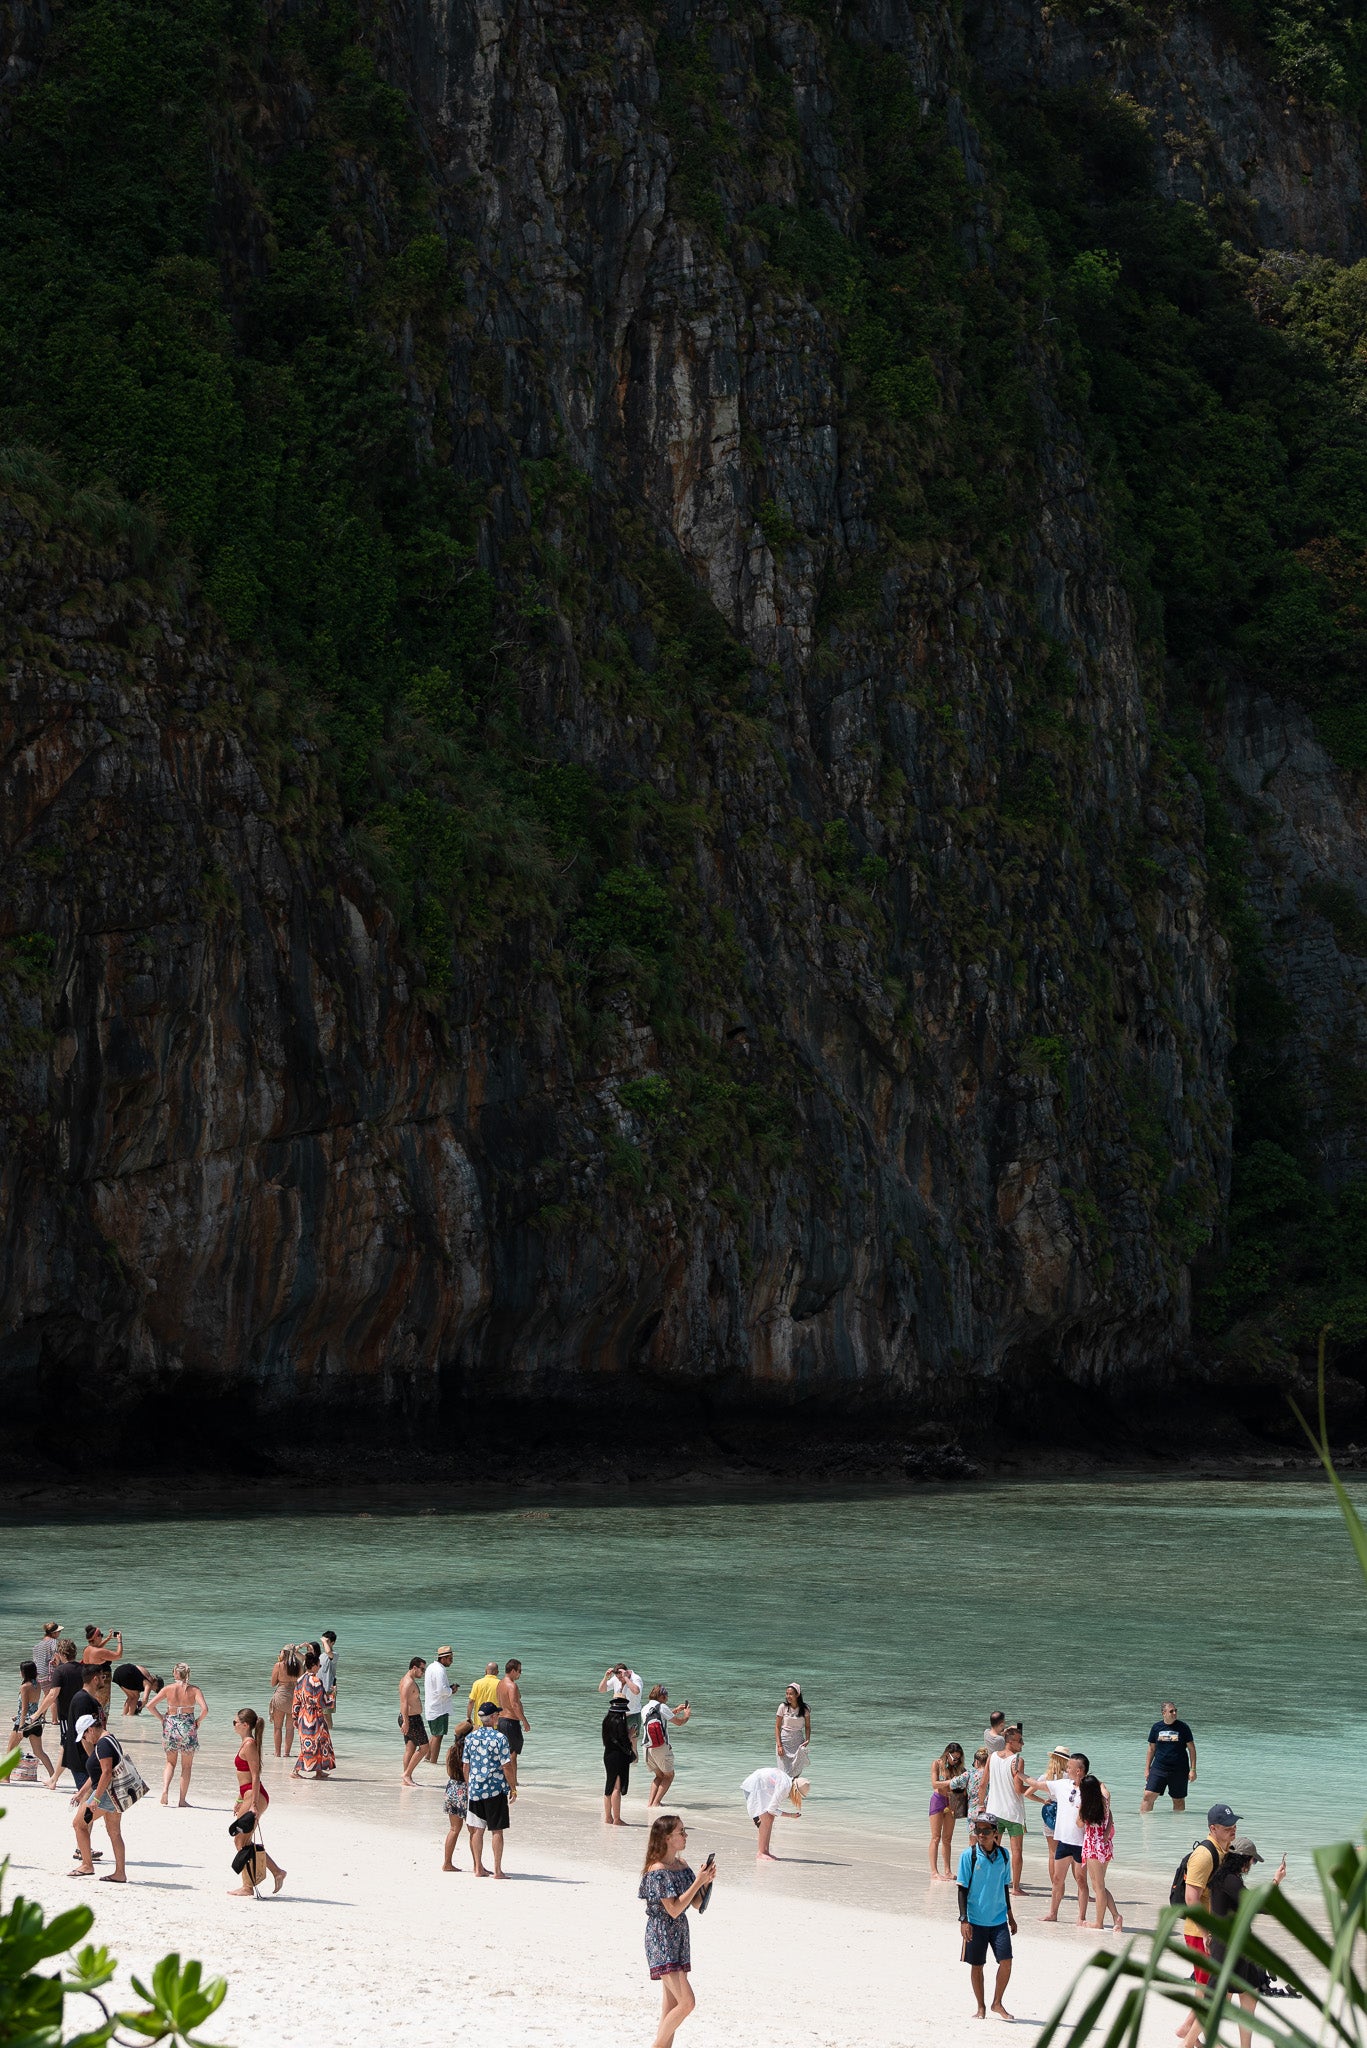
(491, 1775)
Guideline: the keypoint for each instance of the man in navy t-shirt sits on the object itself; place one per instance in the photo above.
(1171, 1763)
(985, 1917)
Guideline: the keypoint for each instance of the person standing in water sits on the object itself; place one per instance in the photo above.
(45, 1652)
(317, 1758)
(438, 1700)
(1170, 1765)
(669, 1888)
(284, 1678)
(657, 1724)
(102, 1649)
(181, 1708)
(986, 1920)
(793, 1732)
(482, 1690)
(252, 1796)
(630, 1684)
(513, 1724)
(327, 1673)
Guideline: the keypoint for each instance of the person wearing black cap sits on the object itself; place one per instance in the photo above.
(618, 1757)
(1226, 1890)
(491, 1774)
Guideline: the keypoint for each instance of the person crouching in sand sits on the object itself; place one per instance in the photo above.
(985, 1917)
(770, 1793)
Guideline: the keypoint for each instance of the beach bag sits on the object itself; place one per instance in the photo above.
(1177, 1895)
(25, 1772)
(127, 1785)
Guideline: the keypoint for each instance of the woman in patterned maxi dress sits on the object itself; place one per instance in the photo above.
(316, 1756)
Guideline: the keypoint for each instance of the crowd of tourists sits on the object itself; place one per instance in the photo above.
(64, 1697)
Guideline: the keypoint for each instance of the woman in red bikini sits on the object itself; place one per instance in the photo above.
(252, 1796)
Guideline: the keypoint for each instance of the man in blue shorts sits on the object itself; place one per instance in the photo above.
(985, 1917)
(1171, 1762)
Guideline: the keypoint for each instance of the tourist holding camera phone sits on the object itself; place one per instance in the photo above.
(669, 1888)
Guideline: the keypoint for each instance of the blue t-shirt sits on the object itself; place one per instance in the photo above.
(987, 1879)
(1170, 1748)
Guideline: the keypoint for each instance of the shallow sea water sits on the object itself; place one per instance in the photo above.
(1075, 1606)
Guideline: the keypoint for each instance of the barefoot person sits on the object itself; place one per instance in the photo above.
(1068, 1832)
(415, 1742)
(28, 1721)
(1098, 1846)
(669, 1888)
(491, 1778)
(630, 1684)
(457, 1799)
(618, 1757)
(252, 1796)
(657, 1725)
(1170, 1765)
(138, 1685)
(180, 1707)
(101, 1649)
(986, 1920)
(948, 1786)
(769, 1795)
(284, 1678)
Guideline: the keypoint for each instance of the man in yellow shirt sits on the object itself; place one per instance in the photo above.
(483, 1689)
(1221, 1825)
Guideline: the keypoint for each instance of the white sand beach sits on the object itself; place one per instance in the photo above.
(371, 1943)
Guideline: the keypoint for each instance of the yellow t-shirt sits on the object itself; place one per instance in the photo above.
(483, 1689)
(1200, 1871)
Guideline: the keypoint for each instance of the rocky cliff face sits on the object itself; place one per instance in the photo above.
(906, 1089)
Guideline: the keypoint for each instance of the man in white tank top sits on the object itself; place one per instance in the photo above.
(1006, 1800)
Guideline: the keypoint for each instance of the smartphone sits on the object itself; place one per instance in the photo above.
(711, 1858)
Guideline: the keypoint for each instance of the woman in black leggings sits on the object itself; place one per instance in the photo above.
(617, 1754)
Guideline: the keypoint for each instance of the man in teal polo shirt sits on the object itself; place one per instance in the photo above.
(985, 1917)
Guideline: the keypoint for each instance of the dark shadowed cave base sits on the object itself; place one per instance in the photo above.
(204, 1450)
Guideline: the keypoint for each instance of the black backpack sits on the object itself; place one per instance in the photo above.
(1177, 1895)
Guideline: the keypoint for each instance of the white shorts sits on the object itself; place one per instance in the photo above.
(661, 1759)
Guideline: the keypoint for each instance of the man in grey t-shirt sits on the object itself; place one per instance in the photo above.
(994, 1734)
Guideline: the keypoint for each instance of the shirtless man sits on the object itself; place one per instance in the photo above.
(410, 1715)
(512, 1721)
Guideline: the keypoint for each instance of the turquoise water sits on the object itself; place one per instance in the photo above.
(1076, 1607)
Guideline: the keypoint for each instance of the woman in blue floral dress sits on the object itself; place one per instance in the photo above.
(669, 1888)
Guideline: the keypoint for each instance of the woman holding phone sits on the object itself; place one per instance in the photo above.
(669, 1888)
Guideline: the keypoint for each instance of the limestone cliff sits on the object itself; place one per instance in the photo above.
(876, 1055)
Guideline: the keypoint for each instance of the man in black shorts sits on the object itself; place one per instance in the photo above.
(491, 1775)
(1171, 1762)
(415, 1736)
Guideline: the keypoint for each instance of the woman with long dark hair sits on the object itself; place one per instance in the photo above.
(316, 1756)
(1098, 1847)
(457, 1800)
(948, 1803)
(793, 1731)
(669, 1888)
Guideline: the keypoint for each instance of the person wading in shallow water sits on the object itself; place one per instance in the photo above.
(986, 1920)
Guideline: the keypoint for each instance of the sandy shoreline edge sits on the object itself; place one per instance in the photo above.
(371, 1942)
